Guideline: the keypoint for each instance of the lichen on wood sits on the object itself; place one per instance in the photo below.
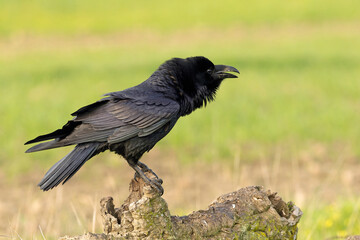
(248, 213)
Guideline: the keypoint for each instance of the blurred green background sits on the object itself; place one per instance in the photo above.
(298, 92)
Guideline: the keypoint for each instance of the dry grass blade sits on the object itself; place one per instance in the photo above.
(76, 216)
(94, 218)
(42, 234)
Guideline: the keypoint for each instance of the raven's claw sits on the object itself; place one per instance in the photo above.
(140, 168)
(145, 168)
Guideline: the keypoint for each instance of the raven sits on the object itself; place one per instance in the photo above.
(132, 121)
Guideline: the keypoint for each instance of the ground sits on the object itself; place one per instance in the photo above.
(66, 210)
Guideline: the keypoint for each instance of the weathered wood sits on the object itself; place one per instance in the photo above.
(248, 213)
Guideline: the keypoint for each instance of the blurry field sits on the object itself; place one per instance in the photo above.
(290, 122)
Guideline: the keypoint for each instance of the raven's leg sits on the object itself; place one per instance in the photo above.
(138, 169)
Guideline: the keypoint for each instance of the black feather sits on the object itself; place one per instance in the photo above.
(60, 133)
(90, 107)
(68, 166)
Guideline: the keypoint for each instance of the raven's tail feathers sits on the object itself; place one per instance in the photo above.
(64, 169)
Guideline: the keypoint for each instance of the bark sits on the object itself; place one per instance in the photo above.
(248, 213)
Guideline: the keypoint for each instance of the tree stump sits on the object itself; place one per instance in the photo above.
(248, 213)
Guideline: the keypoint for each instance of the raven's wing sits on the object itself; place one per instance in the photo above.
(112, 120)
(127, 118)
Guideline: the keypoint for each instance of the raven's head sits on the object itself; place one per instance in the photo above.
(196, 80)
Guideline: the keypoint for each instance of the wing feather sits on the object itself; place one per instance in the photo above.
(119, 120)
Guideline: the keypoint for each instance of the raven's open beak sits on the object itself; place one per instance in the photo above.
(222, 71)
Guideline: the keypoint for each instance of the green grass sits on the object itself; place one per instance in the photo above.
(302, 91)
(326, 221)
(83, 17)
(299, 83)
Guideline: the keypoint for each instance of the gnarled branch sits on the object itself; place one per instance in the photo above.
(248, 213)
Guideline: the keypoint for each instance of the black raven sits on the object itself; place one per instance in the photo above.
(132, 121)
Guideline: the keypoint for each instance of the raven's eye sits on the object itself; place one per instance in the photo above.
(209, 71)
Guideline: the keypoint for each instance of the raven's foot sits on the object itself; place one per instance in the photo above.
(140, 168)
(145, 168)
